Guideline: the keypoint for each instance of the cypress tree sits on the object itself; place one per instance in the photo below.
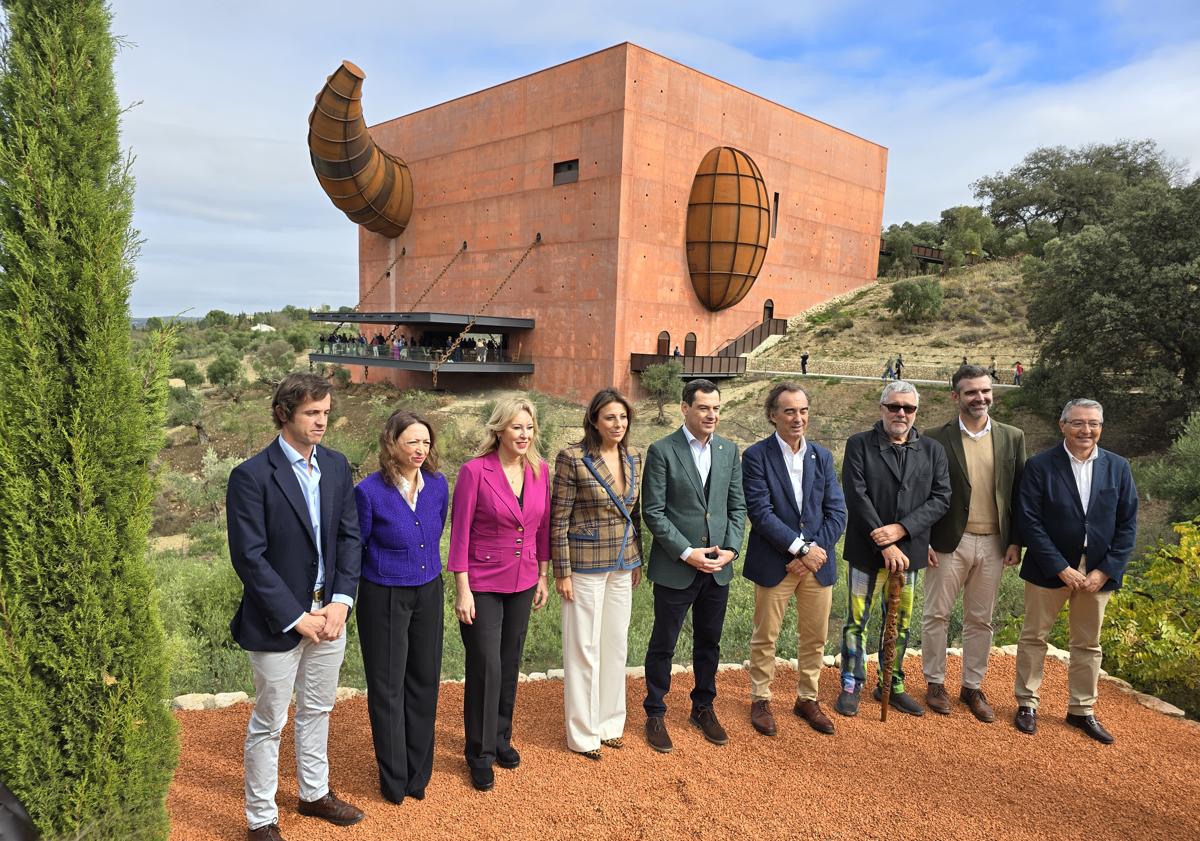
(86, 739)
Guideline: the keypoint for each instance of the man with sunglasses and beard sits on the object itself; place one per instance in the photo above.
(897, 485)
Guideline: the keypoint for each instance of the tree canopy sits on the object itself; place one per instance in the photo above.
(1056, 191)
(1116, 308)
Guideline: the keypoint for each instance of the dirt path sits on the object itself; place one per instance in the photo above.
(919, 778)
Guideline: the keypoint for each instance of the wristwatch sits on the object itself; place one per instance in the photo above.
(805, 548)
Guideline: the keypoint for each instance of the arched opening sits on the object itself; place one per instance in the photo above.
(689, 345)
(664, 343)
(768, 310)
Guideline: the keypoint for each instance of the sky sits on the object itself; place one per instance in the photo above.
(218, 96)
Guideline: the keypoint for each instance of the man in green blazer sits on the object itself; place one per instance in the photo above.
(693, 505)
(974, 541)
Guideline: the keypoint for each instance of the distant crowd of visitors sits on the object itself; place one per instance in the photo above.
(402, 347)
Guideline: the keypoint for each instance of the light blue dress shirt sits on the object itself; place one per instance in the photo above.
(308, 474)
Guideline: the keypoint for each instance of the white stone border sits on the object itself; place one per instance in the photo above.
(203, 701)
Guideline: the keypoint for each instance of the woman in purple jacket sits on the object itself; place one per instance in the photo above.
(402, 512)
(500, 555)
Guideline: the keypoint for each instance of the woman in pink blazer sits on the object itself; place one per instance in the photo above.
(500, 557)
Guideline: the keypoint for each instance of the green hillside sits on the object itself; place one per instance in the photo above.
(983, 315)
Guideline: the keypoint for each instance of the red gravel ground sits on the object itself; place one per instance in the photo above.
(921, 778)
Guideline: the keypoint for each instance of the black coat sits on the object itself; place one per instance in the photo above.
(877, 495)
(272, 546)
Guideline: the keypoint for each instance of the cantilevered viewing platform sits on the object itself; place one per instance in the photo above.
(420, 341)
(483, 323)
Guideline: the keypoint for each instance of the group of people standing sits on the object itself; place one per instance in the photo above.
(961, 500)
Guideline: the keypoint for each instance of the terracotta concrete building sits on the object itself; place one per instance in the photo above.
(599, 155)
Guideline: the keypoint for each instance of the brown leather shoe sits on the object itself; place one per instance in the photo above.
(657, 735)
(975, 699)
(761, 718)
(706, 720)
(270, 832)
(811, 712)
(331, 808)
(937, 699)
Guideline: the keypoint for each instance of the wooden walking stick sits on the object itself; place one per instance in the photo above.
(895, 584)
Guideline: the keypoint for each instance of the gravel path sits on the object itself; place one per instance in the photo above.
(919, 778)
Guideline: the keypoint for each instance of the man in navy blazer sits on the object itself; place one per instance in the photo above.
(1077, 513)
(294, 542)
(797, 513)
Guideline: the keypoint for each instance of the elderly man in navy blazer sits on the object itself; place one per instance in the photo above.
(294, 542)
(797, 513)
(1077, 512)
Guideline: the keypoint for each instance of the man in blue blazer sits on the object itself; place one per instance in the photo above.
(294, 542)
(1077, 513)
(797, 513)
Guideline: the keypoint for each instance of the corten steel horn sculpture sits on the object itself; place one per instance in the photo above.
(728, 226)
(370, 186)
(895, 583)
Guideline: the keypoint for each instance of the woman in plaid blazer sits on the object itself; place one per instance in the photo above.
(595, 547)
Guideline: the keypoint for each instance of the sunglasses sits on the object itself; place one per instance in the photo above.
(897, 408)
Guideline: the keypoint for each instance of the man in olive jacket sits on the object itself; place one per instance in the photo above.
(897, 486)
(693, 505)
(974, 542)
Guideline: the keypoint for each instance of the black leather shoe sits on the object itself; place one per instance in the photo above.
(1026, 720)
(1089, 725)
(508, 757)
(483, 779)
(900, 702)
(847, 702)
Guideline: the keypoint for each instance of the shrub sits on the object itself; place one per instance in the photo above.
(197, 596)
(662, 382)
(1176, 476)
(916, 300)
(300, 339)
(1151, 634)
(240, 338)
(217, 318)
(225, 370)
(274, 361)
(186, 371)
(185, 409)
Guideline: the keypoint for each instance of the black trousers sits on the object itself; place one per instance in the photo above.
(493, 643)
(707, 600)
(400, 630)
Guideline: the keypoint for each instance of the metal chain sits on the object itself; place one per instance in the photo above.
(537, 240)
(386, 272)
(440, 275)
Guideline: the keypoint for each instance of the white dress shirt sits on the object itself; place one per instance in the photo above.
(406, 486)
(794, 462)
(702, 458)
(975, 436)
(1083, 478)
(701, 454)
